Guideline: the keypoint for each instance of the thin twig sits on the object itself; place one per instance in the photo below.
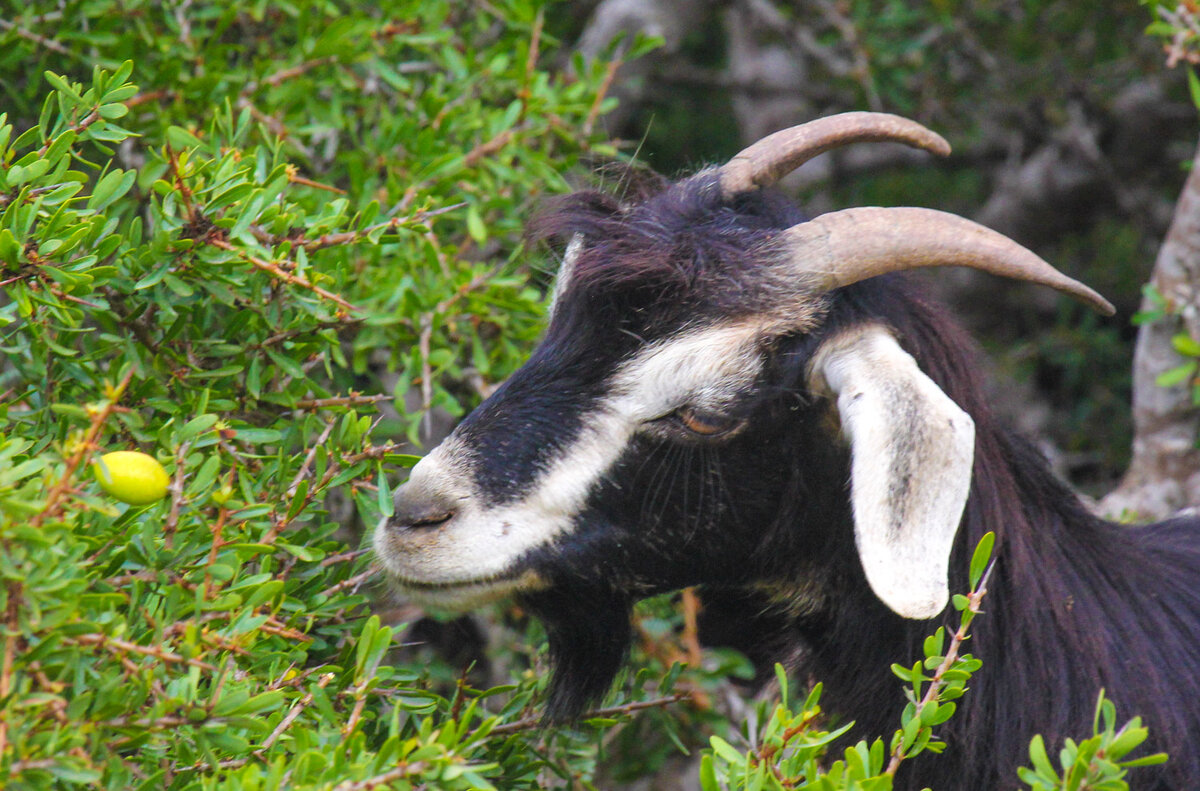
(308, 459)
(344, 556)
(935, 684)
(50, 44)
(176, 492)
(354, 581)
(403, 770)
(33, 193)
(288, 73)
(535, 39)
(54, 499)
(291, 171)
(354, 399)
(291, 716)
(274, 270)
(347, 237)
(116, 644)
(185, 193)
(610, 73)
(625, 709)
(488, 148)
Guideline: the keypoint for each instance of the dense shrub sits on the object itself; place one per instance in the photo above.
(216, 228)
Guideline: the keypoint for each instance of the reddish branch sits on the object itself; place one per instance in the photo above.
(273, 269)
(610, 72)
(185, 194)
(354, 581)
(117, 645)
(488, 148)
(354, 399)
(403, 769)
(348, 237)
(535, 40)
(291, 716)
(937, 682)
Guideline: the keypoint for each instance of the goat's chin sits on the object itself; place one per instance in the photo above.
(458, 597)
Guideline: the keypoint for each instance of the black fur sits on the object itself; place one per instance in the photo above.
(1075, 604)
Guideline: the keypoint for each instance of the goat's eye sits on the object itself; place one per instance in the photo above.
(705, 424)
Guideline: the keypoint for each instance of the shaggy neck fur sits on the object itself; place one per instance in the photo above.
(1075, 604)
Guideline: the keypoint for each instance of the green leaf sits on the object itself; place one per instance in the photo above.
(981, 557)
(61, 84)
(59, 146)
(1041, 761)
(180, 138)
(1176, 376)
(111, 187)
(475, 225)
(725, 750)
(1186, 345)
(10, 249)
(196, 426)
(115, 110)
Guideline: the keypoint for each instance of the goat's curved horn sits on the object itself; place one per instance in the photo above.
(844, 247)
(776, 155)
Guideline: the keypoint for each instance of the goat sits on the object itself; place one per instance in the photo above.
(733, 397)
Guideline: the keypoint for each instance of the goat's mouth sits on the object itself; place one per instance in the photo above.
(467, 594)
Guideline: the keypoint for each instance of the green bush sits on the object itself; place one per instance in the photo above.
(216, 230)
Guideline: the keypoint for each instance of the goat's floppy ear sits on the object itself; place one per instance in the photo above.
(911, 455)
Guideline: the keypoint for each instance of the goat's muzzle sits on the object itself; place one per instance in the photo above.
(444, 549)
(417, 509)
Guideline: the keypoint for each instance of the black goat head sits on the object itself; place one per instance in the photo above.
(704, 394)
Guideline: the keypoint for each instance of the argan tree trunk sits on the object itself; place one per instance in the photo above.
(1164, 475)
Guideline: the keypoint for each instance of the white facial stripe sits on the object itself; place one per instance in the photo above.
(481, 544)
(566, 271)
(703, 367)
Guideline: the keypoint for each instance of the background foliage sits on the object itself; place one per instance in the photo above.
(219, 224)
(264, 243)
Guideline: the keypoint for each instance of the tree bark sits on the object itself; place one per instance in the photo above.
(672, 20)
(1164, 475)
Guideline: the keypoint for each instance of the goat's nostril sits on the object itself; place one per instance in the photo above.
(416, 508)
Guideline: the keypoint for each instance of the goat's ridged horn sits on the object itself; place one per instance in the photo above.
(844, 247)
(778, 154)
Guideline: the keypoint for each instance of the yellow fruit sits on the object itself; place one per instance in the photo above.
(131, 477)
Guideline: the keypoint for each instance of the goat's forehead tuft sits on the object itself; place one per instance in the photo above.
(683, 244)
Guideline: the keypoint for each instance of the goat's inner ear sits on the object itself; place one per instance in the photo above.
(912, 450)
